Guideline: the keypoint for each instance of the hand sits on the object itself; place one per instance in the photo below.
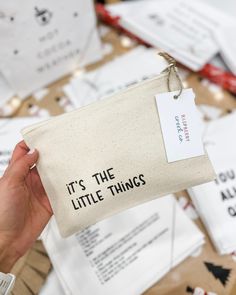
(24, 206)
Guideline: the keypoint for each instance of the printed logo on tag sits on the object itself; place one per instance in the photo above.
(181, 125)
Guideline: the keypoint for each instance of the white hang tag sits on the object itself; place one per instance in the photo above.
(181, 125)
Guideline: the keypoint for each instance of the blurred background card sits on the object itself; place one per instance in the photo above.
(135, 66)
(44, 40)
(183, 29)
(227, 43)
(9, 136)
(216, 200)
(6, 92)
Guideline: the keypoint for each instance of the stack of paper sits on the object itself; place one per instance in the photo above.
(216, 201)
(137, 65)
(10, 136)
(185, 30)
(125, 254)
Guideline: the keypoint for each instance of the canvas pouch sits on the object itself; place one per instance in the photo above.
(109, 156)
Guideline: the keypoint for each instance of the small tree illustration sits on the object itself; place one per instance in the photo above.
(189, 289)
(218, 272)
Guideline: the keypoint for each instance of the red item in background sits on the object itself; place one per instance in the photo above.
(225, 79)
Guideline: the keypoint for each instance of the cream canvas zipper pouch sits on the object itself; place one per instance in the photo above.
(109, 156)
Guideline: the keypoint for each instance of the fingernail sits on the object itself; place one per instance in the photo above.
(31, 151)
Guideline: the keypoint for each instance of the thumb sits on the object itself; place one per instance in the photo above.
(21, 168)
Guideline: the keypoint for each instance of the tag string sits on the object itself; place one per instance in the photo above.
(172, 67)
